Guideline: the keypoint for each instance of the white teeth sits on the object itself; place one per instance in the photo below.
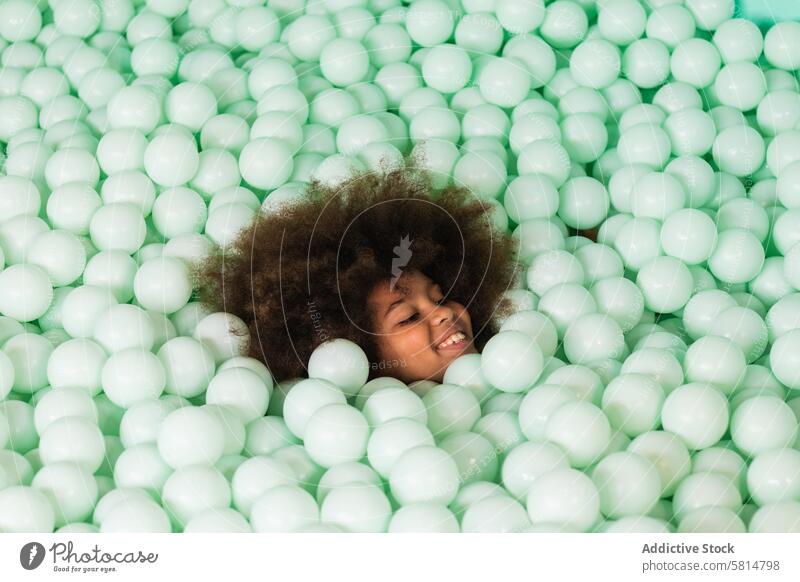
(455, 338)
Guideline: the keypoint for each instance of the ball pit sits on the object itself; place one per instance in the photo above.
(647, 381)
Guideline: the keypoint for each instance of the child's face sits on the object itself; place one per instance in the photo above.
(411, 321)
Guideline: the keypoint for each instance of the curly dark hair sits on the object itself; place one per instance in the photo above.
(301, 274)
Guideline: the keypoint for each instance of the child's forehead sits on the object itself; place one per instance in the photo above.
(410, 281)
(403, 286)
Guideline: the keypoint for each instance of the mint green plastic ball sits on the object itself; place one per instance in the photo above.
(621, 21)
(565, 24)
(715, 360)
(478, 32)
(392, 401)
(737, 257)
(424, 474)
(633, 403)
(710, 14)
(702, 310)
(255, 476)
(592, 337)
(391, 439)
(628, 484)
(691, 131)
(585, 445)
(584, 202)
(553, 268)
(784, 359)
(786, 186)
(547, 158)
(781, 517)
(738, 40)
(20, 21)
(774, 476)
(763, 423)
(73, 438)
(451, 409)
(595, 63)
(564, 497)
(171, 159)
(707, 489)
(777, 111)
(671, 23)
(696, 62)
(646, 63)
(240, 389)
(537, 55)
(666, 284)
(266, 163)
(429, 22)
(584, 136)
(132, 375)
(739, 150)
(781, 47)
(741, 85)
(305, 398)
(526, 462)
(337, 433)
(474, 456)
(530, 196)
(26, 509)
(780, 152)
(358, 508)
(344, 61)
(744, 327)
(537, 406)
(495, 514)
(340, 362)
(26, 292)
(447, 68)
(191, 105)
(620, 299)
(511, 361)
(644, 144)
(504, 81)
(190, 435)
(520, 16)
(697, 413)
(689, 235)
(669, 455)
(423, 518)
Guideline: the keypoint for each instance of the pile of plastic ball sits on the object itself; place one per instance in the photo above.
(647, 381)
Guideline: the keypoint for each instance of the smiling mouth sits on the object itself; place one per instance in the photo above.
(457, 341)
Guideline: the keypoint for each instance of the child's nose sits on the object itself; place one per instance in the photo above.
(442, 314)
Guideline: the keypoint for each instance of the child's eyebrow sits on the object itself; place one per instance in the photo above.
(392, 306)
(397, 302)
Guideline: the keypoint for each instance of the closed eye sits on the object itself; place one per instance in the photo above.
(410, 319)
(413, 317)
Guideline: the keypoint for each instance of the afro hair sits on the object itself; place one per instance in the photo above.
(300, 274)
